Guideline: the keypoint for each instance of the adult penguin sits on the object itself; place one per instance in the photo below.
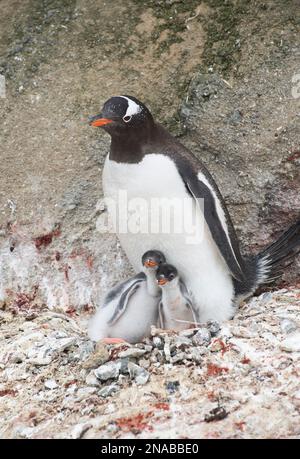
(147, 162)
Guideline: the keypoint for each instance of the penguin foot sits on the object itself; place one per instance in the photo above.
(113, 340)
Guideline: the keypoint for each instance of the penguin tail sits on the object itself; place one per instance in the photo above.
(277, 256)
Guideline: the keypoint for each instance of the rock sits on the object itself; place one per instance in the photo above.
(112, 428)
(196, 354)
(107, 371)
(91, 380)
(167, 351)
(51, 384)
(145, 363)
(148, 347)
(213, 326)
(202, 337)
(123, 365)
(25, 432)
(62, 344)
(79, 429)
(235, 117)
(132, 352)
(86, 349)
(291, 343)
(40, 361)
(178, 357)
(108, 390)
(99, 357)
(17, 357)
(84, 392)
(153, 359)
(181, 342)
(288, 326)
(140, 375)
(172, 386)
(266, 297)
(216, 414)
(158, 342)
(297, 395)
(188, 333)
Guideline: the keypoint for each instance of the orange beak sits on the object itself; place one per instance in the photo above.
(162, 281)
(96, 121)
(150, 264)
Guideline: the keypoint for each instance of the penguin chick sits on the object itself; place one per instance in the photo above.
(176, 310)
(130, 308)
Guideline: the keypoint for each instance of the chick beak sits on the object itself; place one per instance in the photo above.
(150, 264)
(98, 120)
(162, 281)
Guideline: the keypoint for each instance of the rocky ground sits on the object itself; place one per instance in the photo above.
(240, 380)
(220, 75)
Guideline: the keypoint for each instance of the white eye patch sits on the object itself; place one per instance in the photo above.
(133, 108)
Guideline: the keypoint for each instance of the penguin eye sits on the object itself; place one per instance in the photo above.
(127, 118)
(171, 276)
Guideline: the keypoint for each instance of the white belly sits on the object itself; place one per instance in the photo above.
(200, 264)
(177, 315)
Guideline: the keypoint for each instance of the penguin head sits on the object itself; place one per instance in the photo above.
(152, 259)
(121, 114)
(166, 275)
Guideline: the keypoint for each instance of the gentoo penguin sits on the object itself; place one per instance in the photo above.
(131, 307)
(149, 165)
(175, 308)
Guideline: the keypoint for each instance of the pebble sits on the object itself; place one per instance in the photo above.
(196, 354)
(63, 343)
(145, 363)
(79, 429)
(291, 343)
(297, 395)
(172, 386)
(17, 357)
(91, 380)
(266, 297)
(158, 342)
(40, 361)
(25, 432)
(51, 384)
(112, 428)
(235, 117)
(178, 357)
(139, 374)
(85, 392)
(213, 326)
(181, 342)
(167, 349)
(132, 352)
(108, 390)
(188, 333)
(99, 357)
(288, 326)
(148, 348)
(107, 371)
(202, 337)
(123, 365)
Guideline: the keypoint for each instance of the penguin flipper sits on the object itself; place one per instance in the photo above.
(217, 219)
(186, 295)
(120, 288)
(129, 288)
